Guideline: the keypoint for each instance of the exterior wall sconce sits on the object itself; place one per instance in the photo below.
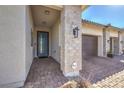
(74, 65)
(75, 31)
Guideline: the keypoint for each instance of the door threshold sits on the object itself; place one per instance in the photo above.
(43, 57)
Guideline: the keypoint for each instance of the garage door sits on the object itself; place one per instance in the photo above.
(89, 45)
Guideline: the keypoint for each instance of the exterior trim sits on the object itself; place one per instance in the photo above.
(102, 25)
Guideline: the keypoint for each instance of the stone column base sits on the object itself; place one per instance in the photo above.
(71, 74)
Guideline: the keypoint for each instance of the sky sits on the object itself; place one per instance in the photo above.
(105, 14)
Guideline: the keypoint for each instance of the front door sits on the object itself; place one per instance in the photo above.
(42, 44)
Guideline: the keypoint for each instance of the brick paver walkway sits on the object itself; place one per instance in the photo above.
(114, 81)
(45, 73)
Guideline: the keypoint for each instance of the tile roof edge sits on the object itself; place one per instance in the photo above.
(102, 25)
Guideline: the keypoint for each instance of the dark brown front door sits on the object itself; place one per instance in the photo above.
(42, 44)
(89, 45)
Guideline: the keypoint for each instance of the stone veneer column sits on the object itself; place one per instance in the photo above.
(119, 43)
(71, 50)
(106, 41)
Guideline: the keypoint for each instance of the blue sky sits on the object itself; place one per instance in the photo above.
(105, 14)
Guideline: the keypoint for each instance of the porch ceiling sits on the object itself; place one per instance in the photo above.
(44, 16)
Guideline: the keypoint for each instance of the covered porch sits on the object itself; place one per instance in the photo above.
(54, 35)
(45, 73)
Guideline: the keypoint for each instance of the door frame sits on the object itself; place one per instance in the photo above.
(47, 43)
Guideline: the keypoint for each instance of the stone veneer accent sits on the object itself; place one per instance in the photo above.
(118, 47)
(119, 43)
(71, 48)
(106, 44)
(114, 81)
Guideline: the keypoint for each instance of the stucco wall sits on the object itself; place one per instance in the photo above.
(28, 47)
(90, 29)
(55, 53)
(12, 45)
(113, 33)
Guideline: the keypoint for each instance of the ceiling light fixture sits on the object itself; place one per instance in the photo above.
(47, 12)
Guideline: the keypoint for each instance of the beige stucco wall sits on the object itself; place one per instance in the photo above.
(16, 51)
(12, 46)
(90, 29)
(55, 47)
(113, 33)
(28, 47)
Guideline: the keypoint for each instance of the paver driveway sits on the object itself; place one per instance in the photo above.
(101, 67)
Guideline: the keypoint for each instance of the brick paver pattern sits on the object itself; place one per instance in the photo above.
(99, 68)
(114, 81)
(46, 73)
